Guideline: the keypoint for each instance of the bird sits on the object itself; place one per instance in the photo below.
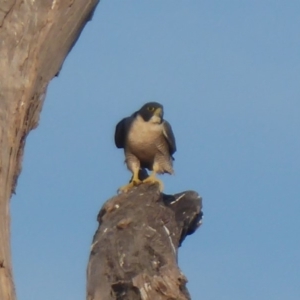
(148, 142)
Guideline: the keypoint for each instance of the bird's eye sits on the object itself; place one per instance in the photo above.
(150, 108)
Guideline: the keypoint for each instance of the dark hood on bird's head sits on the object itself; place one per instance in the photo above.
(148, 110)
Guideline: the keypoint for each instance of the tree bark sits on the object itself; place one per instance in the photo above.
(35, 38)
(134, 250)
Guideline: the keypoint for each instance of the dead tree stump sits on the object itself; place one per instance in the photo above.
(134, 250)
(35, 38)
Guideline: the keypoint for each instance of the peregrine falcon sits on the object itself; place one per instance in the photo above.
(148, 142)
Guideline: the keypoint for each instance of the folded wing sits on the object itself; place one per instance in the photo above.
(170, 138)
(120, 133)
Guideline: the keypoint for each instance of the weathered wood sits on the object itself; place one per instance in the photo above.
(134, 250)
(35, 38)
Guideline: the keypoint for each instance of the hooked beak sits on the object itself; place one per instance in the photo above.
(159, 113)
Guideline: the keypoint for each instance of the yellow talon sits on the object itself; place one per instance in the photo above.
(152, 179)
(133, 182)
(127, 187)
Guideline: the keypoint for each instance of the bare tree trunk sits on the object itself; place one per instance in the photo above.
(35, 38)
(134, 251)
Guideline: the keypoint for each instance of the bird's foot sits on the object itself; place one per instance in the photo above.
(152, 180)
(129, 186)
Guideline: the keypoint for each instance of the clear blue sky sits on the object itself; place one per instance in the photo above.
(228, 75)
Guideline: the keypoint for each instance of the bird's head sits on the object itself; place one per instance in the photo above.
(152, 112)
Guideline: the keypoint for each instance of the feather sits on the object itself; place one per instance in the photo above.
(170, 138)
(120, 133)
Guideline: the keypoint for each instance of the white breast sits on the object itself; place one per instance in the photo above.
(144, 137)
